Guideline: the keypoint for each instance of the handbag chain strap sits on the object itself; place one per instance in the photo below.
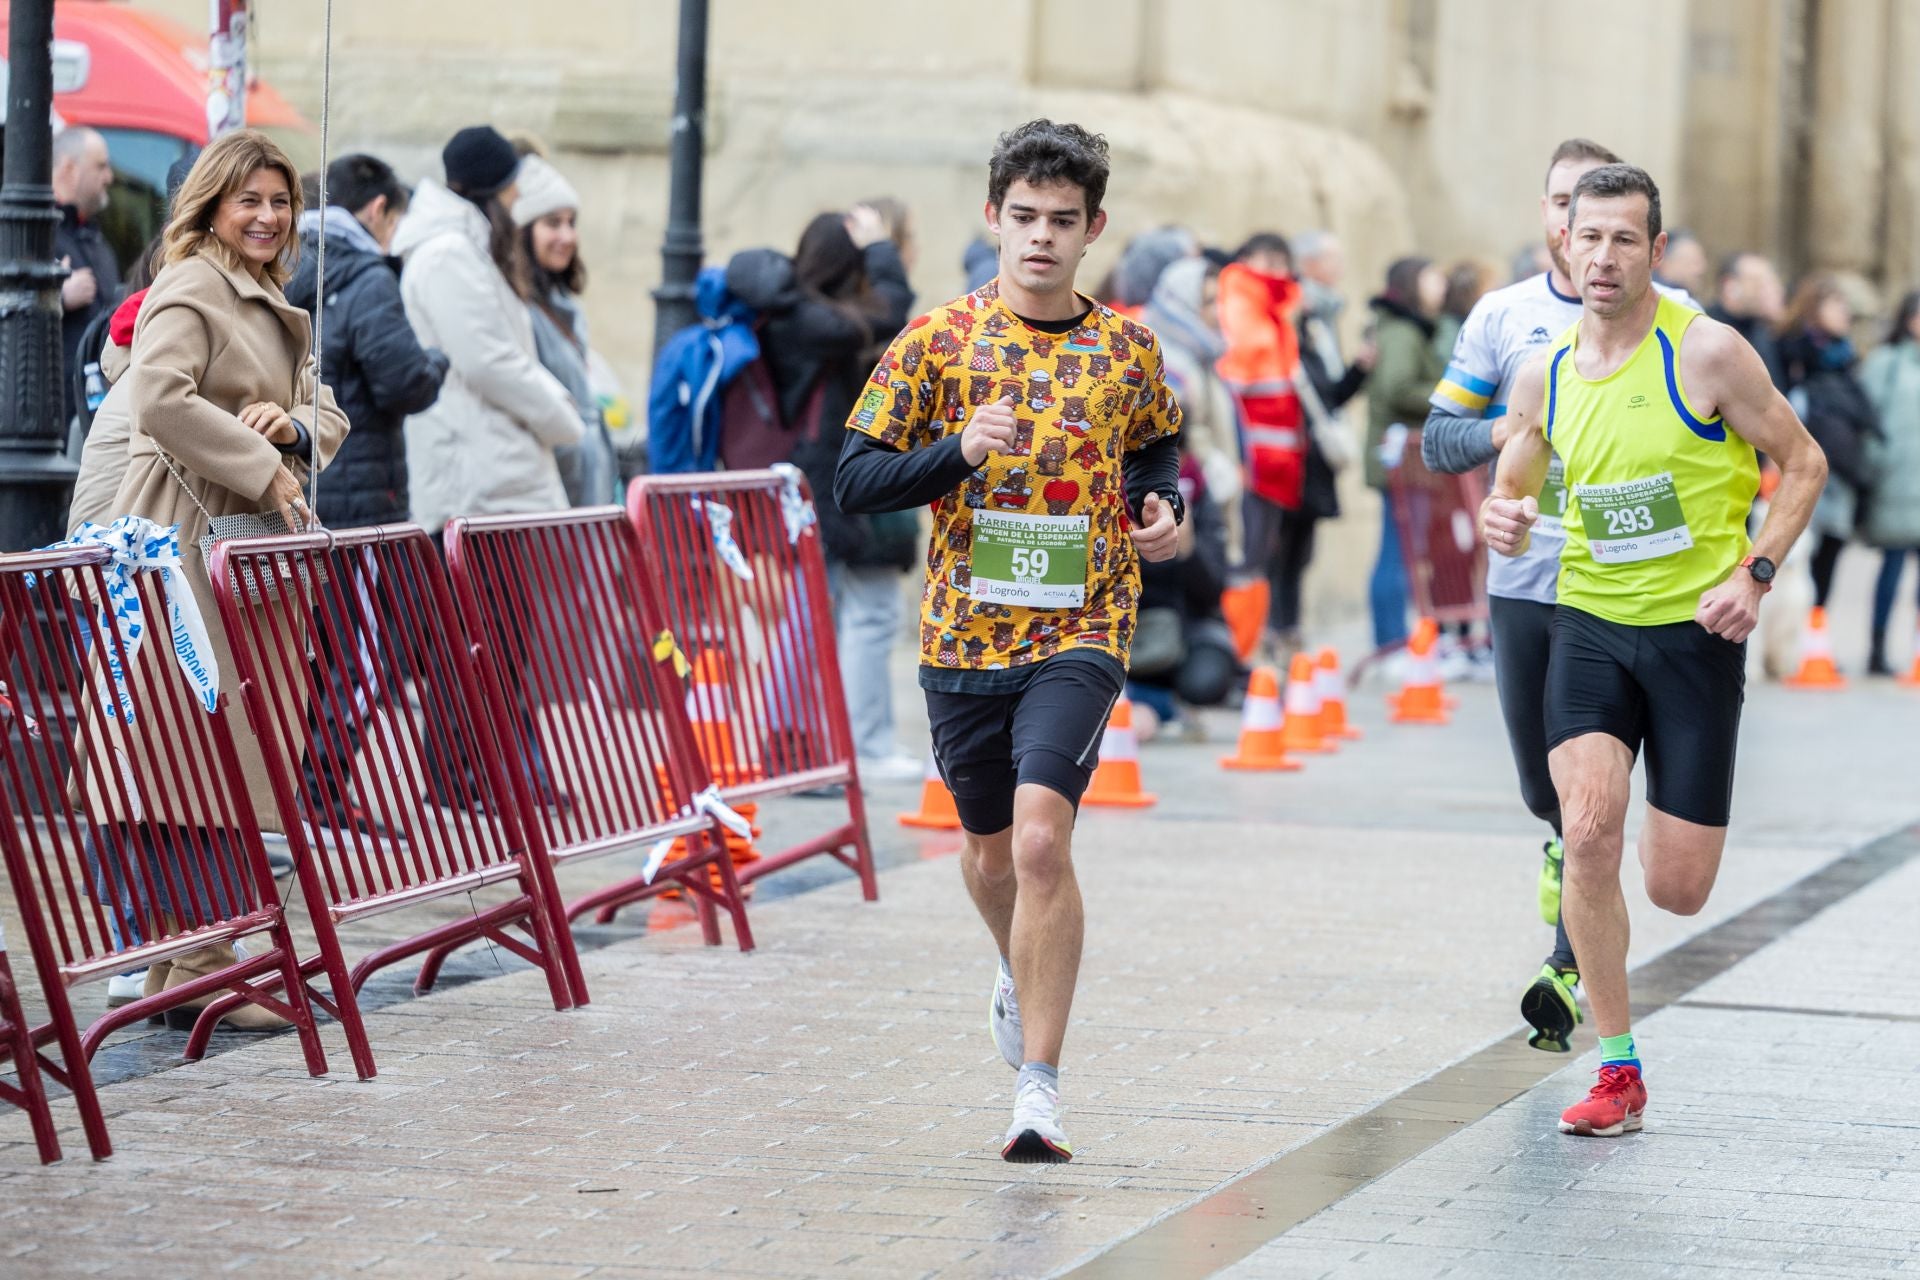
(182, 482)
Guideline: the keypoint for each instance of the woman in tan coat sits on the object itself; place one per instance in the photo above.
(221, 385)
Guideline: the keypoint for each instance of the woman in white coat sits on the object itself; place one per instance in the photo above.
(486, 446)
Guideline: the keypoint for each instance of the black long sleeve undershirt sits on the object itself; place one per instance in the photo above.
(873, 477)
(1154, 469)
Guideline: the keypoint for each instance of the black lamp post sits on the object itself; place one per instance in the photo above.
(35, 475)
(681, 252)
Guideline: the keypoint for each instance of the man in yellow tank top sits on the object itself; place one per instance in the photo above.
(1655, 412)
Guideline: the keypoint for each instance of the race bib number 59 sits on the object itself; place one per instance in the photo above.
(1037, 561)
(1637, 520)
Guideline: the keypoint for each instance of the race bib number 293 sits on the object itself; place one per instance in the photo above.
(1636, 520)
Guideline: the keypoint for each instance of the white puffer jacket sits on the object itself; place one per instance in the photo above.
(486, 446)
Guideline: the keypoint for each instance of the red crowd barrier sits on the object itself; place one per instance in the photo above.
(583, 666)
(366, 694)
(125, 824)
(16, 1045)
(1438, 517)
(735, 563)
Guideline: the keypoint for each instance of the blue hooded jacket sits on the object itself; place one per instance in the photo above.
(691, 375)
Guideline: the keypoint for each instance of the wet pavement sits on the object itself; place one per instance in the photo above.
(1293, 1054)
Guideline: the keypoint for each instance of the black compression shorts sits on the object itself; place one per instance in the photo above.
(1676, 689)
(1046, 732)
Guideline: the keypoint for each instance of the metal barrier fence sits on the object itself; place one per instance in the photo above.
(125, 822)
(735, 563)
(1438, 517)
(588, 679)
(29, 1093)
(386, 759)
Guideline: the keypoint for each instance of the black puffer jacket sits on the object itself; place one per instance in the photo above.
(379, 374)
(1838, 413)
(806, 342)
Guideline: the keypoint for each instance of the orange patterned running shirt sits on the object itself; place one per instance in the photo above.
(1031, 556)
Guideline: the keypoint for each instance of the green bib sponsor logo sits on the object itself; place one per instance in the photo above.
(1635, 520)
(1031, 560)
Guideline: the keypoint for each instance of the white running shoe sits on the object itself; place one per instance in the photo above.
(1035, 1136)
(1003, 1019)
(893, 768)
(125, 988)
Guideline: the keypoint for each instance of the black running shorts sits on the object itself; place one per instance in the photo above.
(1046, 732)
(1677, 689)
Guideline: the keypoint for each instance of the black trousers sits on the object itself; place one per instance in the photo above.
(1281, 542)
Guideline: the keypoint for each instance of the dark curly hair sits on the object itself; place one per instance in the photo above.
(1043, 152)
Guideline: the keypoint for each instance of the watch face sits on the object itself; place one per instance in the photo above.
(1761, 568)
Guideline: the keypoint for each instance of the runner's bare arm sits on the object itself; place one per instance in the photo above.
(1721, 373)
(1507, 516)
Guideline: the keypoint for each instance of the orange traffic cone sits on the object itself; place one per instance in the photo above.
(1332, 689)
(1262, 744)
(1419, 700)
(1302, 729)
(1912, 677)
(1116, 782)
(1816, 657)
(708, 701)
(670, 913)
(937, 811)
(1244, 605)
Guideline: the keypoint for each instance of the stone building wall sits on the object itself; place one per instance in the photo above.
(1786, 125)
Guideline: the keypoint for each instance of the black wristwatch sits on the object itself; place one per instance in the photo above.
(1179, 504)
(1762, 570)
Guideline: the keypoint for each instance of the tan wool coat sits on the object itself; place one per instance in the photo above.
(211, 340)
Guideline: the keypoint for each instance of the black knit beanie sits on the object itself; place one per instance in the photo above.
(479, 161)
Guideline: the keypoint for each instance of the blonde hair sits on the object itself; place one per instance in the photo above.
(222, 169)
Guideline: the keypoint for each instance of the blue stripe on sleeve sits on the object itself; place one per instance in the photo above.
(1479, 386)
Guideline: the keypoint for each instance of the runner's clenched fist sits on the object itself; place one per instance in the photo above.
(990, 430)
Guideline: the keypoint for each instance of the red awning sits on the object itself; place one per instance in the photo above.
(148, 72)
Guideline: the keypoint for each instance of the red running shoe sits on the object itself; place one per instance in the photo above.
(1613, 1107)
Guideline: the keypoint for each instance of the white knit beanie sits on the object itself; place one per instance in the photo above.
(542, 191)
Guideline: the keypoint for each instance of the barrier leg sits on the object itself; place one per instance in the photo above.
(736, 901)
(32, 1091)
(73, 1070)
(862, 846)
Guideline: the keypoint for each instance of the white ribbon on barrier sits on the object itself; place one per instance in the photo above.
(794, 507)
(719, 518)
(707, 802)
(139, 545)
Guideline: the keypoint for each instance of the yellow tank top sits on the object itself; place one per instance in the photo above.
(1657, 497)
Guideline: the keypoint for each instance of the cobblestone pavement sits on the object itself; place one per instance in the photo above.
(1268, 957)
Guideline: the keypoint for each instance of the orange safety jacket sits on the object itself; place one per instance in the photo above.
(1260, 368)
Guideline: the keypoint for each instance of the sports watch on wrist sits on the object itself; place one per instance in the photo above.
(1761, 569)
(1179, 504)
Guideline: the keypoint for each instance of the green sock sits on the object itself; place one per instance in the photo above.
(1618, 1048)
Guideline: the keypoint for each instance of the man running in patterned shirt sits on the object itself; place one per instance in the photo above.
(1038, 425)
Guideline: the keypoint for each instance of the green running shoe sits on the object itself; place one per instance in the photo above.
(1550, 1008)
(1550, 871)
